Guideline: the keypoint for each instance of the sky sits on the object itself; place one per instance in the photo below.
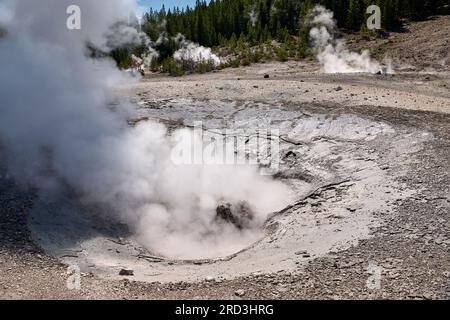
(156, 4)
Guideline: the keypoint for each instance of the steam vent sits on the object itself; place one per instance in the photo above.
(239, 150)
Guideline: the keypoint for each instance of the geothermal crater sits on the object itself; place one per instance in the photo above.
(341, 169)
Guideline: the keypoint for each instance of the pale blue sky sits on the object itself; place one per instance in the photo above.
(157, 4)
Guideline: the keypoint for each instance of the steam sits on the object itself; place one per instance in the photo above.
(123, 35)
(62, 129)
(5, 12)
(332, 53)
(190, 51)
(253, 16)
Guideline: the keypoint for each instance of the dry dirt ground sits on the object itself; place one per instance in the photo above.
(366, 155)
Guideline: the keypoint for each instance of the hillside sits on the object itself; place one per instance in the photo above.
(420, 46)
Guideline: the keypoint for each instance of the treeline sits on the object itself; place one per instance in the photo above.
(219, 21)
(244, 30)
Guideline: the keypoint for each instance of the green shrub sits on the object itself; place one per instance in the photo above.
(155, 66)
(245, 61)
(235, 63)
(122, 58)
(171, 67)
(282, 54)
(204, 66)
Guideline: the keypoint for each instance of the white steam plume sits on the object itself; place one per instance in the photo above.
(190, 51)
(253, 16)
(58, 129)
(332, 53)
(122, 34)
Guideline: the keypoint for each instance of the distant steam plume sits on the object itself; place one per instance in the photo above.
(332, 53)
(253, 16)
(190, 51)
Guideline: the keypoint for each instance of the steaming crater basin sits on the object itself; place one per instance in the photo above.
(341, 167)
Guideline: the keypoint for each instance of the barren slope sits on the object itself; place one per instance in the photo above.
(419, 46)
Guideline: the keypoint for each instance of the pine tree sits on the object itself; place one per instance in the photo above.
(354, 15)
(233, 41)
(388, 14)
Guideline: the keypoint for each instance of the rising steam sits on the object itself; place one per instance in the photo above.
(253, 16)
(62, 131)
(122, 34)
(332, 53)
(190, 51)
